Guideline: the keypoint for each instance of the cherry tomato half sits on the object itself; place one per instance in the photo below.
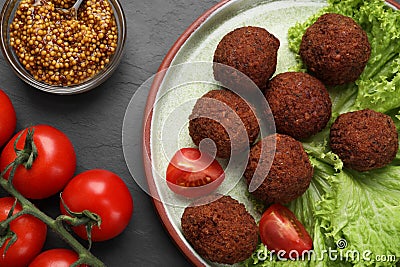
(31, 235)
(104, 193)
(192, 173)
(58, 257)
(8, 119)
(280, 230)
(51, 170)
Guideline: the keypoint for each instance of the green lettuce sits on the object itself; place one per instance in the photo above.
(379, 85)
(356, 215)
(309, 210)
(363, 209)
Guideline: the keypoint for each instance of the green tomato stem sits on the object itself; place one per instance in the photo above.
(26, 158)
(86, 257)
(6, 222)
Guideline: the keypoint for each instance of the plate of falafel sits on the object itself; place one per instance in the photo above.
(299, 103)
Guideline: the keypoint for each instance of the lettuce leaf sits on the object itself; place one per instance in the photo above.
(305, 209)
(363, 211)
(379, 85)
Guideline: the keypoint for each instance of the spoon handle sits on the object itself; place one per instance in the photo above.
(77, 4)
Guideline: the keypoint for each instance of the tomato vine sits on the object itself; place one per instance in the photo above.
(26, 157)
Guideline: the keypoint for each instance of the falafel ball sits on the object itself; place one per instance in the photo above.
(300, 104)
(288, 177)
(225, 118)
(364, 140)
(251, 50)
(221, 231)
(335, 49)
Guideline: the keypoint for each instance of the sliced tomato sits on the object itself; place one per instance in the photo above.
(192, 173)
(283, 233)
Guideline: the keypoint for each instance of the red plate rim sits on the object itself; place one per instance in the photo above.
(147, 128)
(148, 113)
(394, 3)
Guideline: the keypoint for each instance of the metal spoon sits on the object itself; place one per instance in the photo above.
(72, 11)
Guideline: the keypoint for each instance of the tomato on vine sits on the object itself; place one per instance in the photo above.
(30, 233)
(58, 257)
(8, 118)
(103, 193)
(54, 162)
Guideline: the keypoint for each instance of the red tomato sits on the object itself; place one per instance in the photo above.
(52, 169)
(59, 257)
(104, 193)
(8, 119)
(192, 173)
(280, 230)
(31, 233)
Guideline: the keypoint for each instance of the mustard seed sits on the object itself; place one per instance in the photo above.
(58, 49)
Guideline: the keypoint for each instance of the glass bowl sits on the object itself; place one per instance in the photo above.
(7, 16)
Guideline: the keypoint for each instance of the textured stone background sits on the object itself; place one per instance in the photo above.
(93, 121)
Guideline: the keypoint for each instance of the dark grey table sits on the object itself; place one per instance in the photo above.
(93, 122)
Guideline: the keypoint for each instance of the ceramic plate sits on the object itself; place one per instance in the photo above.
(174, 92)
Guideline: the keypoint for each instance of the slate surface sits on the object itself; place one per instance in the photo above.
(93, 122)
